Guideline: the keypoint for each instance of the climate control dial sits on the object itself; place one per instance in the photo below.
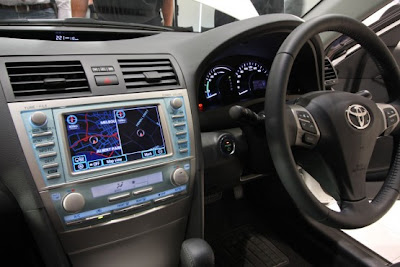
(179, 177)
(73, 202)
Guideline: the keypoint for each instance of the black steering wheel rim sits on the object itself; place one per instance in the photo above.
(352, 215)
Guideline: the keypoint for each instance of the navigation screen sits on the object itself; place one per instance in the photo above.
(108, 137)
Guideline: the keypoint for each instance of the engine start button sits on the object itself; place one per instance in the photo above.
(227, 145)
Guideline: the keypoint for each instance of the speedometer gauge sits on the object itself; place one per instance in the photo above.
(251, 79)
(218, 81)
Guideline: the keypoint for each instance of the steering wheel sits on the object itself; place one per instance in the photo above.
(342, 127)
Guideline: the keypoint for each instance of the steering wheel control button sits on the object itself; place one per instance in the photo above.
(104, 80)
(42, 134)
(391, 116)
(308, 126)
(118, 197)
(306, 122)
(38, 119)
(73, 202)
(142, 191)
(176, 103)
(303, 115)
(227, 145)
(358, 116)
(179, 177)
(310, 139)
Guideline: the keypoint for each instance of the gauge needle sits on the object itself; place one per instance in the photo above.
(242, 93)
(208, 91)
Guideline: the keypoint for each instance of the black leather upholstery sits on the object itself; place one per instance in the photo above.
(196, 252)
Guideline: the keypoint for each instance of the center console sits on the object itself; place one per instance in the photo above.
(102, 160)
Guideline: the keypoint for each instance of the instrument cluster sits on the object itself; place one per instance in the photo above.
(233, 80)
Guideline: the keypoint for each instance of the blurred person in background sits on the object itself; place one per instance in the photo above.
(134, 11)
(35, 9)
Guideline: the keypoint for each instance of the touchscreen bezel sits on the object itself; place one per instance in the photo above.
(164, 127)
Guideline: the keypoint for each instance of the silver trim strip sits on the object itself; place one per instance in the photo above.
(357, 46)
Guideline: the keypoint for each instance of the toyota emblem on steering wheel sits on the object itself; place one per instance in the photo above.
(358, 116)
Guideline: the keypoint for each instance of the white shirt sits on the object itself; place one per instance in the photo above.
(63, 6)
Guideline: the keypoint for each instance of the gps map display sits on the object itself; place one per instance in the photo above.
(108, 137)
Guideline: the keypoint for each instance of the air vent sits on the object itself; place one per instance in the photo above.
(43, 78)
(331, 77)
(148, 73)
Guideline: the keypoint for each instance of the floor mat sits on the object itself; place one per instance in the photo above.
(245, 246)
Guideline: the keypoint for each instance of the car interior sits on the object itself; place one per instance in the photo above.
(256, 143)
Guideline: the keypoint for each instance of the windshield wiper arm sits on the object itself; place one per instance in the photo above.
(84, 22)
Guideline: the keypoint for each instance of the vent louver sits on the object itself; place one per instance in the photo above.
(331, 77)
(140, 73)
(43, 78)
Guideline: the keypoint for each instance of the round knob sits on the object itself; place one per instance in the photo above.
(38, 118)
(179, 177)
(73, 202)
(176, 103)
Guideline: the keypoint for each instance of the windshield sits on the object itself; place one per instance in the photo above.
(190, 15)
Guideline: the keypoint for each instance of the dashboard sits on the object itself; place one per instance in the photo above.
(105, 134)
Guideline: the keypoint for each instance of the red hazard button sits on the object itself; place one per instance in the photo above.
(103, 80)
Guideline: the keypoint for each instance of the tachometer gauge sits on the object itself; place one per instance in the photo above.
(218, 81)
(251, 79)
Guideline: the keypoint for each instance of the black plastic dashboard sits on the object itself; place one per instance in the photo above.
(49, 85)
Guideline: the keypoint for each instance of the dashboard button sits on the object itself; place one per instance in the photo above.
(47, 155)
(104, 80)
(161, 199)
(180, 124)
(134, 207)
(179, 116)
(53, 176)
(74, 222)
(181, 133)
(119, 197)
(42, 134)
(49, 166)
(40, 145)
(98, 217)
(184, 150)
(142, 191)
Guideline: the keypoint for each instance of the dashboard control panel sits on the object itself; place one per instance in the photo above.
(103, 158)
